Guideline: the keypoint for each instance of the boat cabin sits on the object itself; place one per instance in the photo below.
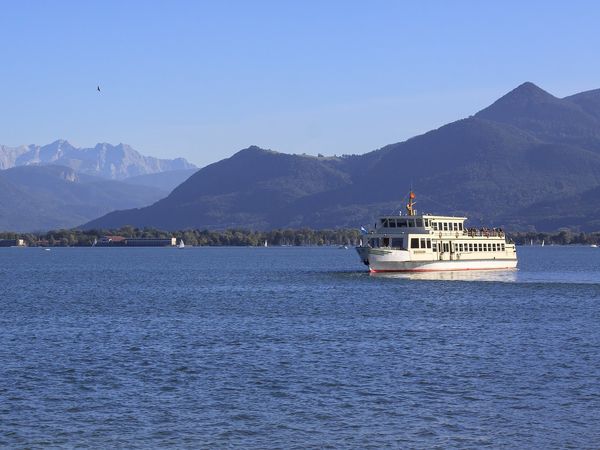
(420, 224)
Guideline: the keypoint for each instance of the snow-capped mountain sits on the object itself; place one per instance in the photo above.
(114, 162)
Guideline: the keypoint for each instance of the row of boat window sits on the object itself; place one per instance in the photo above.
(478, 247)
(403, 223)
(426, 243)
(409, 223)
(447, 226)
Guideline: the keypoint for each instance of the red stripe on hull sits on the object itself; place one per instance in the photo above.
(438, 270)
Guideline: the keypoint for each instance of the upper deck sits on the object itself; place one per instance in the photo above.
(425, 224)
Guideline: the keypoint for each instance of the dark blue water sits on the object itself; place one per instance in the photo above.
(295, 348)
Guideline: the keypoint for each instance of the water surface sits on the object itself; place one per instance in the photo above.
(295, 348)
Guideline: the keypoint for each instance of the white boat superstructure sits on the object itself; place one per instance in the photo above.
(421, 243)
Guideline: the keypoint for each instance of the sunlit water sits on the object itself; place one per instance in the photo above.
(295, 348)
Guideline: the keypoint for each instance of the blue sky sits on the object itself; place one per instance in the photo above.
(203, 80)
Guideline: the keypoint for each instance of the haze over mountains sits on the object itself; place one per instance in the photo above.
(60, 186)
(528, 161)
(114, 162)
(51, 197)
(503, 166)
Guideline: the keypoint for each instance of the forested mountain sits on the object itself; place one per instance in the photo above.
(50, 197)
(504, 166)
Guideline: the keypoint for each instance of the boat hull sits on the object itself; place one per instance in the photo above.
(443, 266)
(379, 262)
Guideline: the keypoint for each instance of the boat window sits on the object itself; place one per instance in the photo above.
(434, 246)
(434, 225)
(385, 242)
(470, 247)
(414, 243)
(397, 242)
(426, 222)
(392, 223)
(455, 226)
(384, 223)
(423, 245)
(401, 223)
(419, 222)
(494, 247)
(445, 226)
(460, 247)
(480, 247)
(503, 247)
(428, 243)
(460, 226)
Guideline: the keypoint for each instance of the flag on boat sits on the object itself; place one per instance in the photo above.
(363, 230)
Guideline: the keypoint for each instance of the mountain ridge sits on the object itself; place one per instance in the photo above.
(114, 162)
(526, 148)
(42, 197)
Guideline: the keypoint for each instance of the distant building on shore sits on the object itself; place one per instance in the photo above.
(12, 243)
(120, 241)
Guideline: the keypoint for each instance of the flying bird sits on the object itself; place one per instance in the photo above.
(98, 88)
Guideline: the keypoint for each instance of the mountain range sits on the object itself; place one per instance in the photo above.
(61, 186)
(36, 198)
(114, 162)
(528, 161)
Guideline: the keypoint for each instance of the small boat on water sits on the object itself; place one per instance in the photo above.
(181, 244)
(594, 246)
(427, 243)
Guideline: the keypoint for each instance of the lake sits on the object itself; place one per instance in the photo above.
(295, 348)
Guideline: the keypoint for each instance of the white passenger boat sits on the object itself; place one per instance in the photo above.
(424, 243)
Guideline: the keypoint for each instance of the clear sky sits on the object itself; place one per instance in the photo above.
(204, 79)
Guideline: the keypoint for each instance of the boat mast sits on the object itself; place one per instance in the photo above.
(410, 210)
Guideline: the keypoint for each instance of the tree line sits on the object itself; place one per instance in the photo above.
(280, 237)
(562, 237)
(230, 237)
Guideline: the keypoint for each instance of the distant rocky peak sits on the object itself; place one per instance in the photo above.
(104, 160)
